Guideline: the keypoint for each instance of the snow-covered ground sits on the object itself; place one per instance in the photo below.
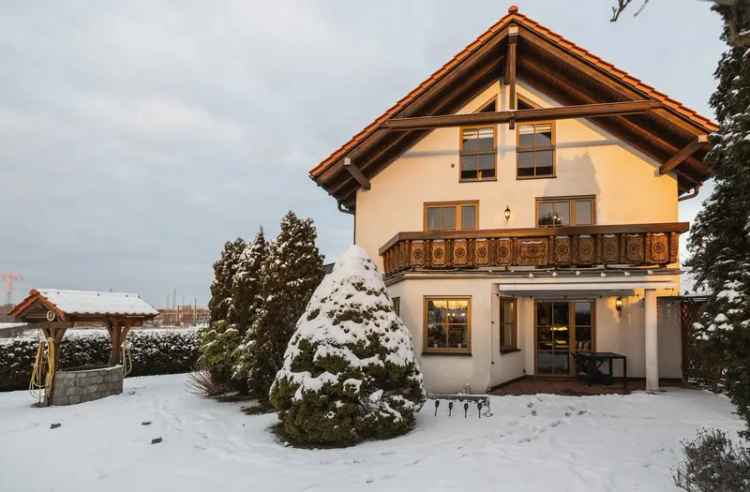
(538, 443)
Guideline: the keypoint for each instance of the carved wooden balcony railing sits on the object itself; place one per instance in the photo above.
(568, 246)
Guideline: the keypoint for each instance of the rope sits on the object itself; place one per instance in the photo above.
(41, 380)
(127, 359)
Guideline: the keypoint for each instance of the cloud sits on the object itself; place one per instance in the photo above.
(137, 137)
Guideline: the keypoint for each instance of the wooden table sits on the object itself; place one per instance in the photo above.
(591, 363)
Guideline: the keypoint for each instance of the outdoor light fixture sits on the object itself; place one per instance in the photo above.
(507, 213)
(618, 304)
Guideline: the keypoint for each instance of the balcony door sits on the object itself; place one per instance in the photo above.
(562, 327)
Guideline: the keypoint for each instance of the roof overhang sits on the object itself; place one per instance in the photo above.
(549, 63)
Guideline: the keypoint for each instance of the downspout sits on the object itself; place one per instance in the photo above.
(692, 194)
(353, 212)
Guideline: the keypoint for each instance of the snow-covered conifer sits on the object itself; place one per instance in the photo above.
(247, 282)
(248, 294)
(215, 338)
(349, 371)
(720, 237)
(221, 288)
(291, 272)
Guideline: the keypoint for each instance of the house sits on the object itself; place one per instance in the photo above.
(522, 203)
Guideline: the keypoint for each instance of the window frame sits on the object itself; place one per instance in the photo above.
(513, 347)
(426, 350)
(461, 150)
(458, 208)
(571, 199)
(553, 148)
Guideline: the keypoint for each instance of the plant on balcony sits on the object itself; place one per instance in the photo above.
(349, 371)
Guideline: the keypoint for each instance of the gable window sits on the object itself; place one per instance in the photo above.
(447, 325)
(551, 212)
(478, 156)
(535, 150)
(451, 216)
(508, 326)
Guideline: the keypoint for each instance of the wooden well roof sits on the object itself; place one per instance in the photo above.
(81, 305)
(553, 65)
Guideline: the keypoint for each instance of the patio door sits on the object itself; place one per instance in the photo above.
(562, 327)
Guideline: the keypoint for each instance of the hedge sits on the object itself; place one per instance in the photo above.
(153, 351)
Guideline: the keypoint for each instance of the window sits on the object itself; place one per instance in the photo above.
(447, 325)
(508, 327)
(397, 306)
(451, 216)
(535, 150)
(564, 211)
(478, 154)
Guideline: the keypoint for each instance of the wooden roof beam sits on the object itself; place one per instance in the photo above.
(521, 115)
(683, 154)
(510, 70)
(355, 172)
(570, 92)
(365, 158)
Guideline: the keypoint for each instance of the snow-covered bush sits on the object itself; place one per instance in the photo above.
(349, 371)
(714, 464)
(217, 344)
(152, 351)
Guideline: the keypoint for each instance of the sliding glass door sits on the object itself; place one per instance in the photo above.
(562, 327)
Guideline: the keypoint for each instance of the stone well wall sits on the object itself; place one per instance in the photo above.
(78, 386)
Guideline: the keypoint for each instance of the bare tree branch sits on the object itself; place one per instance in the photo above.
(735, 38)
(622, 5)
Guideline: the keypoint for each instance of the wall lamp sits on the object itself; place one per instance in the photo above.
(507, 213)
(618, 304)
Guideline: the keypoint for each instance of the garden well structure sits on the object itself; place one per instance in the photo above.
(53, 311)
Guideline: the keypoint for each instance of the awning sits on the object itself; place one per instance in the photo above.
(565, 294)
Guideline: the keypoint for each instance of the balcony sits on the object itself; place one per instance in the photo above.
(632, 245)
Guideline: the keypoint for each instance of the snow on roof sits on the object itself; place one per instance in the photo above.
(8, 326)
(92, 302)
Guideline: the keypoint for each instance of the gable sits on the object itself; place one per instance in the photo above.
(550, 64)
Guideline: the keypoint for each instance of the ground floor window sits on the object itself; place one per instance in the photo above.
(397, 306)
(508, 325)
(447, 325)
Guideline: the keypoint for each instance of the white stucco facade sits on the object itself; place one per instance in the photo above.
(588, 162)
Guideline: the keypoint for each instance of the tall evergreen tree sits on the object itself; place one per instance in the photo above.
(248, 292)
(291, 272)
(246, 283)
(720, 238)
(220, 338)
(221, 288)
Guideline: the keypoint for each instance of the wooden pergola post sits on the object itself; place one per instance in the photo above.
(118, 331)
(54, 333)
(114, 327)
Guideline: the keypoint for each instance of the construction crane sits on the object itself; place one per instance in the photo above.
(9, 278)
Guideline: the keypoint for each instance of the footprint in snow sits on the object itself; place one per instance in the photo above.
(387, 453)
(555, 423)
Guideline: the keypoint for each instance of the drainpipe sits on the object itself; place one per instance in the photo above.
(353, 212)
(692, 194)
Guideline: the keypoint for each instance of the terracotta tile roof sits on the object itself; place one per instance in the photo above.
(513, 16)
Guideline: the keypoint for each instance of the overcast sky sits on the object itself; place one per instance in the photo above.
(137, 137)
